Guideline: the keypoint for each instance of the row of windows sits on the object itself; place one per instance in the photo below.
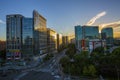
(13, 47)
(13, 42)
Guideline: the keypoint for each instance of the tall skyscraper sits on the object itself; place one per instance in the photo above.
(85, 33)
(13, 36)
(108, 35)
(27, 38)
(40, 33)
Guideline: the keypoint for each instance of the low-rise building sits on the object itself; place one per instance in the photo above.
(94, 43)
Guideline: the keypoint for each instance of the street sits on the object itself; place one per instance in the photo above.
(46, 71)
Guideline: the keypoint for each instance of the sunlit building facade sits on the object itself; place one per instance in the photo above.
(40, 33)
(27, 38)
(65, 40)
(59, 40)
(51, 41)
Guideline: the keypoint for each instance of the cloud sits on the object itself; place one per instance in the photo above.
(2, 22)
(92, 21)
(117, 29)
(114, 25)
(117, 34)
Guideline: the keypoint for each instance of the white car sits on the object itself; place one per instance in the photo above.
(57, 76)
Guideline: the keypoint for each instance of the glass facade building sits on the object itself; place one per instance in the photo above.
(85, 33)
(27, 37)
(78, 36)
(40, 33)
(91, 32)
(108, 35)
(13, 36)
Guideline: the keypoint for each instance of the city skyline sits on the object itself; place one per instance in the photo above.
(62, 15)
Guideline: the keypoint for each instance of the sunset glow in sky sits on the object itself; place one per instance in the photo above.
(62, 15)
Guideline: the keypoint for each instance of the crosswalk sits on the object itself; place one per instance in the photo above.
(21, 75)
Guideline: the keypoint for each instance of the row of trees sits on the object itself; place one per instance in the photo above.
(107, 65)
(98, 63)
(62, 47)
(77, 64)
(48, 57)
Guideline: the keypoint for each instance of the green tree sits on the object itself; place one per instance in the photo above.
(64, 61)
(85, 71)
(89, 71)
(71, 50)
(92, 70)
(48, 57)
(116, 52)
(3, 54)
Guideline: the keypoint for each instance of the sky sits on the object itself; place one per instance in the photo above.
(61, 15)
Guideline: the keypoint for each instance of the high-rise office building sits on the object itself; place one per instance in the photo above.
(103, 36)
(78, 36)
(65, 40)
(40, 33)
(59, 40)
(27, 38)
(108, 35)
(13, 36)
(51, 41)
(26, 35)
(85, 33)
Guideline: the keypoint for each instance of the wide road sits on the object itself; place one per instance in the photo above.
(54, 62)
(47, 71)
(34, 75)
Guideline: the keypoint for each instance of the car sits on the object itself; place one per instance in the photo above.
(57, 76)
